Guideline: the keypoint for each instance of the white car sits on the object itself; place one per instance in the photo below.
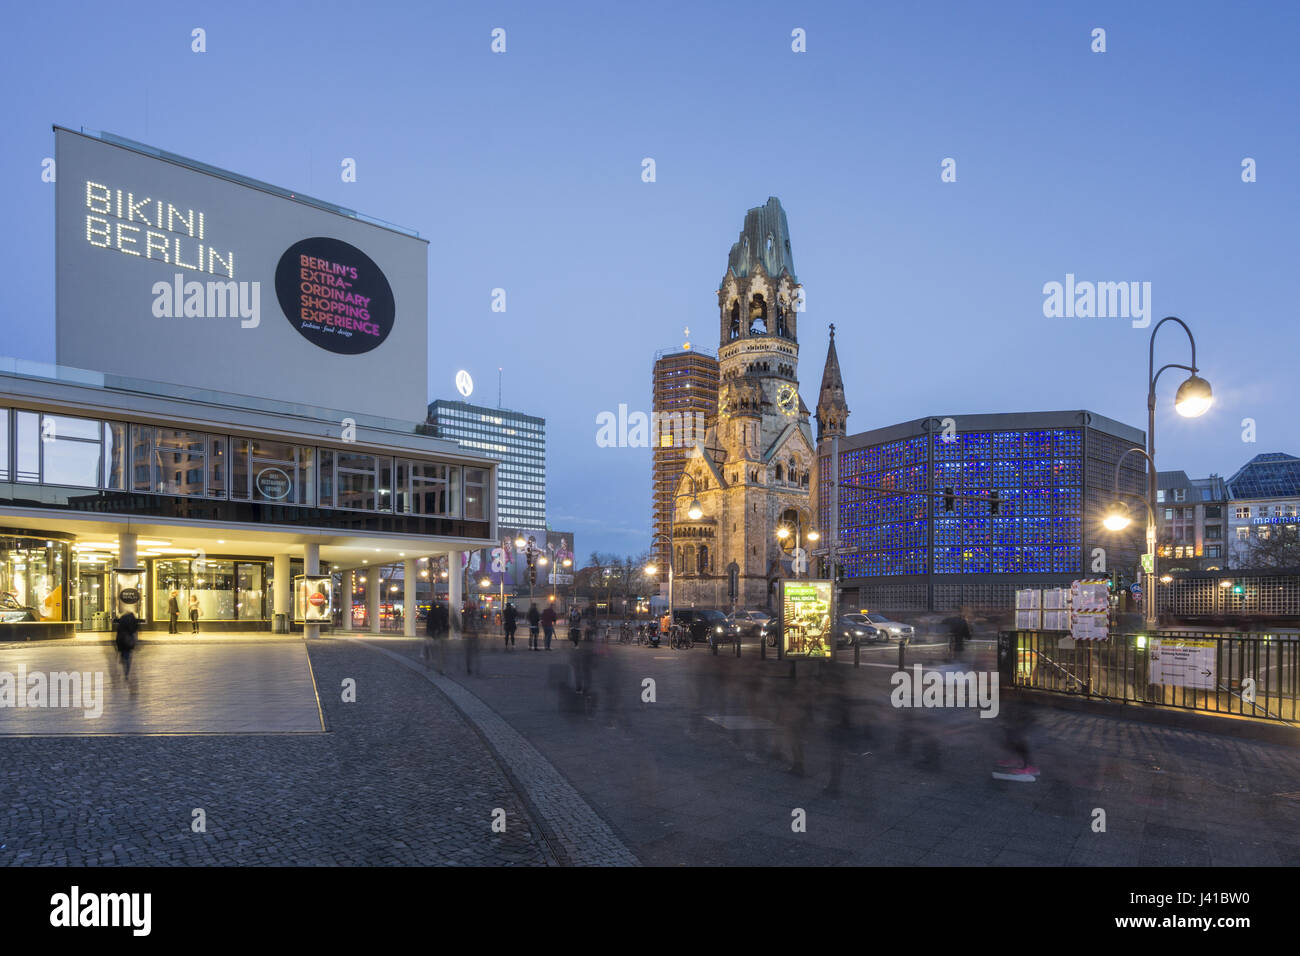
(891, 630)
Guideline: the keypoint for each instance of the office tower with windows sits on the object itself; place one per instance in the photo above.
(517, 440)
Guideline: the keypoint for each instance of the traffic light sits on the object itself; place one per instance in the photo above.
(993, 502)
(1237, 588)
(947, 499)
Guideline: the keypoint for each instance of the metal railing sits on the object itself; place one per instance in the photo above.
(1240, 674)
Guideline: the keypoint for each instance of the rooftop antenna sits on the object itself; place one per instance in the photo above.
(687, 344)
(498, 386)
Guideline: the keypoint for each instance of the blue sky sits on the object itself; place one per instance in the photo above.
(524, 171)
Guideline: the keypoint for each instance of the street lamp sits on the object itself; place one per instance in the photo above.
(1192, 400)
(783, 533)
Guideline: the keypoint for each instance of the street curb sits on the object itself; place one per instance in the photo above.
(575, 833)
(1224, 725)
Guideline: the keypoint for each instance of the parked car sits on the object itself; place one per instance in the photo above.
(749, 624)
(894, 631)
(854, 629)
(704, 623)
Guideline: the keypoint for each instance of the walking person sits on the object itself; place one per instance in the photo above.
(534, 618)
(194, 613)
(575, 626)
(173, 613)
(466, 616)
(548, 624)
(510, 620)
(127, 629)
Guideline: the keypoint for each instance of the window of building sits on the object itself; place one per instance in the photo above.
(1243, 534)
(27, 447)
(1160, 494)
(356, 481)
(434, 488)
(1180, 494)
(1213, 511)
(476, 493)
(1169, 514)
(1213, 532)
(1243, 512)
(4, 444)
(70, 451)
(1262, 511)
(178, 462)
(272, 471)
(1212, 551)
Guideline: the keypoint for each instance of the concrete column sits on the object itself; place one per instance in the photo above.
(310, 565)
(126, 556)
(372, 597)
(410, 577)
(455, 577)
(282, 596)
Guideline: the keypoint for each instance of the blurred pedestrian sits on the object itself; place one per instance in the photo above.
(194, 613)
(127, 630)
(548, 624)
(575, 626)
(466, 616)
(510, 620)
(1017, 720)
(173, 612)
(959, 634)
(534, 618)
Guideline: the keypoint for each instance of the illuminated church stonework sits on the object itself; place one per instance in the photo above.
(752, 473)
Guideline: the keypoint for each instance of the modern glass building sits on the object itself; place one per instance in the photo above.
(1264, 497)
(948, 511)
(517, 440)
(214, 496)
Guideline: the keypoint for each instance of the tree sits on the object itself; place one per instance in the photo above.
(1273, 546)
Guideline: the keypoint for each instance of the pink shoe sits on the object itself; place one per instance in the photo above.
(1017, 775)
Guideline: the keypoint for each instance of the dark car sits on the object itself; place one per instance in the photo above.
(703, 623)
(855, 629)
(749, 624)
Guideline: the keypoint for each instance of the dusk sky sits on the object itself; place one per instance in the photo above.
(524, 171)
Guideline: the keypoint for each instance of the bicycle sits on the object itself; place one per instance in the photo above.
(681, 637)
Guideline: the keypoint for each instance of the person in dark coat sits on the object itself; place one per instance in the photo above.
(466, 616)
(127, 628)
(958, 634)
(534, 618)
(575, 626)
(548, 624)
(509, 620)
(173, 613)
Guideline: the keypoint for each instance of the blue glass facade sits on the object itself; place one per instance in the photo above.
(1037, 473)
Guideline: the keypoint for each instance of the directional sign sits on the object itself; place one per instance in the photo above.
(1135, 590)
(1182, 662)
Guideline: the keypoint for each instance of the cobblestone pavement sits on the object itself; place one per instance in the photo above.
(678, 787)
(576, 832)
(399, 778)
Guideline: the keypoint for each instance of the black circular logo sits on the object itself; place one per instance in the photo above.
(129, 596)
(334, 295)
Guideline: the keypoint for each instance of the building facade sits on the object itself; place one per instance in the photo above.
(1264, 496)
(515, 439)
(684, 397)
(1191, 522)
(750, 477)
(952, 511)
(233, 434)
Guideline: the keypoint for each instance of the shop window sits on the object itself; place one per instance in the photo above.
(4, 444)
(33, 581)
(217, 462)
(141, 453)
(69, 451)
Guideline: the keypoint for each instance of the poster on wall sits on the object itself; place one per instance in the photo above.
(1089, 610)
(313, 599)
(806, 618)
(1182, 662)
(128, 592)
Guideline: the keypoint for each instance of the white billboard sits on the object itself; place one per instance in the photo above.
(171, 273)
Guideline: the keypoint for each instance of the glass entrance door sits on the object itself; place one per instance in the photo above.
(91, 595)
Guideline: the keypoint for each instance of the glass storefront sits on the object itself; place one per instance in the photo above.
(33, 579)
(227, 590)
